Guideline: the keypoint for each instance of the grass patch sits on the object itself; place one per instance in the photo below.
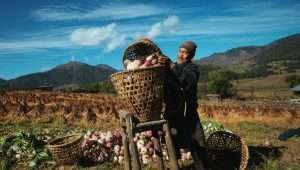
(271, 164)
(256, 131)
(270, 87)
(259, 131)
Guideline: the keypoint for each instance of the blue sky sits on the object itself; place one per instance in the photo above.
(36, 35)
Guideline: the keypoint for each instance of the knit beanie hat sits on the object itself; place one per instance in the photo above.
(190, 46)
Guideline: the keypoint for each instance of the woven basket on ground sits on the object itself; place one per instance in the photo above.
(65, 150)
(141, 89)
(227, 151)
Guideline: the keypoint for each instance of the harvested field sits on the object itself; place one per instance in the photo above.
(259, 123)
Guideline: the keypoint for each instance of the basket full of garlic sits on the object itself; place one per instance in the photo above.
(140, 85)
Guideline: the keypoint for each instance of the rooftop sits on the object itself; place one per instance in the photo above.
(296, 88)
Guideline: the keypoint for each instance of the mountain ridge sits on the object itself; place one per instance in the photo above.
(231, 56)
(69, 73)
(284, 48)
(252, 61)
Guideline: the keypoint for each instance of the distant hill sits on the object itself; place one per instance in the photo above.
(280, 56)
(287, 48)
(2, 83)
(65, 74)
(107, 67)
(232, 56)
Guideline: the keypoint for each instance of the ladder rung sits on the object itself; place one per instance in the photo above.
(152, 123)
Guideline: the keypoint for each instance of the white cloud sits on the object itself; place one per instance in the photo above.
(72, 58)
(166, 26)
(70, 37)
(4, 63)
(155, 30)
(171, 21)
(92, 36)
(86, 59)
(104, 12)
(258, 17)
(111, 38)
(107, 35)
(241, 19)
(31, 45)
(37, 41)
(115, 42)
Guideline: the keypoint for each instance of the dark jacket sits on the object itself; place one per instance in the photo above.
(188, 75)
(181, 92)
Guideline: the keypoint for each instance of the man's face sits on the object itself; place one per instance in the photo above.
(182, 56)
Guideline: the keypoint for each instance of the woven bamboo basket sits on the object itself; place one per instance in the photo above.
(227, 151)
(141, 89)
(65, 150)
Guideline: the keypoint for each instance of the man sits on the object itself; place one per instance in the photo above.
(184, 118)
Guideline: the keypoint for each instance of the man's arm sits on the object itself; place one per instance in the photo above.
(189, 79)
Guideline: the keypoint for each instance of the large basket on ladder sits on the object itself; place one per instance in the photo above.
(142, 89)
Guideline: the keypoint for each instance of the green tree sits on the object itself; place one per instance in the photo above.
(104, 86)
(220, 82)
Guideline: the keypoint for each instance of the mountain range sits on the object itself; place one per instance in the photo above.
(286, 49)
(255, 60)
(61, 75)
(232, 56)
(2, 81)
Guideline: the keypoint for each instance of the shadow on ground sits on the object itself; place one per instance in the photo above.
(260, 154)
(289, 134)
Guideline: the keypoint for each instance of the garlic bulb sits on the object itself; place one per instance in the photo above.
(101, 146)
(150, 61)
(149, 58)
(130, 66)
(134, 64)
(126, 62)
(154, 61)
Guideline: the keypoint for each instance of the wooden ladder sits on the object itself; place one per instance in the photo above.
(131, 155)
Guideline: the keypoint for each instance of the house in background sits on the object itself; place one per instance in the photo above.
(45, 86)
(213, 97)
(296, 89)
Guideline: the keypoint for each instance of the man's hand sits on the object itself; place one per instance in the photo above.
(165, 61)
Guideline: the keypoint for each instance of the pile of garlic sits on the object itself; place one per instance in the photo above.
(101, 146)
(150, 61)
